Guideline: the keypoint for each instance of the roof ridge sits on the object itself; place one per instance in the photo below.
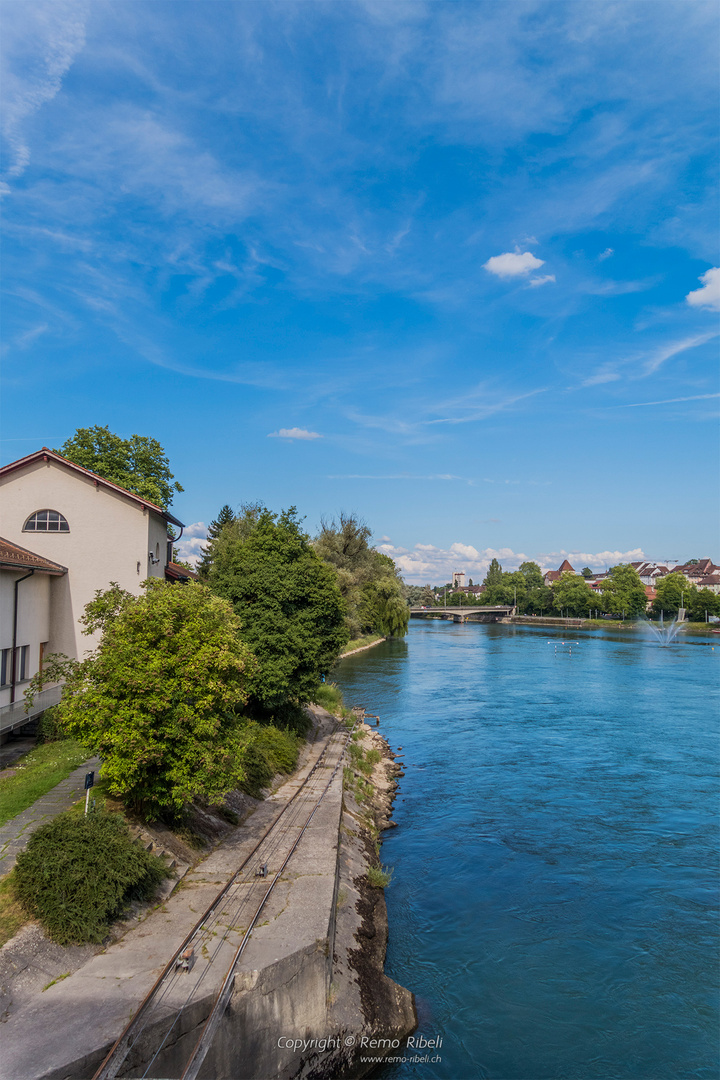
(95, 476)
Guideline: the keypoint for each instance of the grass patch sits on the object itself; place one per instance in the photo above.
(37, 773)
(12, 914)
(379, 876)
(53, 981)
(78, 874)
(361, 642)
(328, 696)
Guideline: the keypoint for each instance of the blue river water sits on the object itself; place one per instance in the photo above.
(554, 900)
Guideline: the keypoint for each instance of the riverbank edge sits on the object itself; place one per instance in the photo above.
(362, 648)
(369, 1014)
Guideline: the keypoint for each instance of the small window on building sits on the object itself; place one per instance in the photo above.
(46, 521)
(22, 665)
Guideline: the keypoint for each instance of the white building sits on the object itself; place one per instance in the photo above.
(68, 533)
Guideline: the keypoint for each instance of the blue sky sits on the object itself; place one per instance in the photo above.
(451, 266)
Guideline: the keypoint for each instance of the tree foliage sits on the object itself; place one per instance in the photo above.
(702, 602)
(669, 593)
(375, 597)
(623, 593)
(138, 464)
(225, 517)
(159, 700)
(571, 594)
(289, 603)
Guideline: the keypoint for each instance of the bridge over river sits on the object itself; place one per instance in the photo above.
(465, 613)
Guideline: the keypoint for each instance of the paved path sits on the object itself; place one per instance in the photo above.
(15, 834)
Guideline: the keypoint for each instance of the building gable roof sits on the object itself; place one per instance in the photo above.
(175, 572)
(49, 455)
(565, 568)
(13, 557)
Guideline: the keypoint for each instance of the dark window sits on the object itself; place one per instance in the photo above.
(22, 665)
(46, 521)
(6, 667)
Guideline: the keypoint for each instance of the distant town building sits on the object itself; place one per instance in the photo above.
(458, 578)
(553, 575)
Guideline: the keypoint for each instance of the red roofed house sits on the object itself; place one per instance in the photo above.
(553, 575)
(68, 533)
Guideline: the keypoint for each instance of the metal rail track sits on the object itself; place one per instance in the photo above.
(220, 935)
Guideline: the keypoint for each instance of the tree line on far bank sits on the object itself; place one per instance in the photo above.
(622, 593)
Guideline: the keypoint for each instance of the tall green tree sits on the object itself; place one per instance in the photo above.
(533, 575)
(493, 585)
(289, 604)
(138, 464)
(671, 591)
(226, 516)
(702, 602)
(623, 593)
(160, 700)
(374, 594)
(571, 594)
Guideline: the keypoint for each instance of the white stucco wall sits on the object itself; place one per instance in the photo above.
(109, 540)
(33, 619)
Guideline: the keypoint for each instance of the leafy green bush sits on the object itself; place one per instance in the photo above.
(50, 728)
(78, 874)
(269, 750)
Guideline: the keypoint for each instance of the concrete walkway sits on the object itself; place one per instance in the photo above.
(15, 834)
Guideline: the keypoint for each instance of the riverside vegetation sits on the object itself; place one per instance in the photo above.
(195, 691)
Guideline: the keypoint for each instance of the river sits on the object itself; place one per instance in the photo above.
(553, 903)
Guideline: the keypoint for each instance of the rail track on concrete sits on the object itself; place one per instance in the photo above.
(218, 939)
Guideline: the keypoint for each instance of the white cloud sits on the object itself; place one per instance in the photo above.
(41, 42)
(669, 401)
(709, 295)
(534, 282)
(191, 547)
(606, 254)
(668, 351)
(513, 264)
(428, 563)
(294, 433)
(595, 560)
(604, 375)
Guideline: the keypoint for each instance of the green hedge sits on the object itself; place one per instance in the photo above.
(79, 873)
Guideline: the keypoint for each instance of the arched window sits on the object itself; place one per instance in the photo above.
(46, 521)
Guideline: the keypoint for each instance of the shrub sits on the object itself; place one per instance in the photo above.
(78, 874)
(269, 750)
(379, 876)
(49, 728)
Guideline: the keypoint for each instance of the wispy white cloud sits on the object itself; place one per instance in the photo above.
(606, 254)
(605, 374)
(666, 352)
(669, 401)
(40, 43)
(709, 295)
(545, 280)
(294, 433)
(513, 264)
